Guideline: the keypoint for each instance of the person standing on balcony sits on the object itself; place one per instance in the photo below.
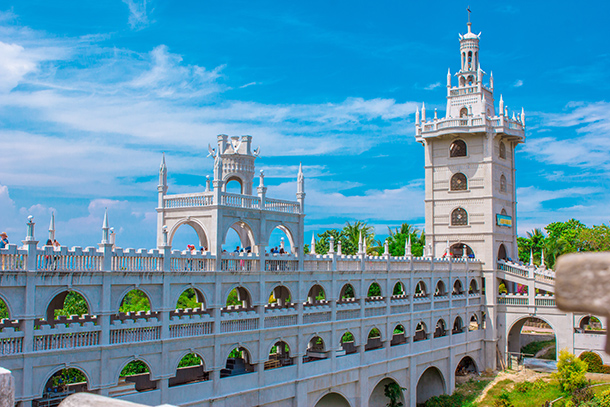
(3, 240)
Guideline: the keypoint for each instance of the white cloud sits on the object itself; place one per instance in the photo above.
(138, 13)
(518, 83)
(248, 84)
(433, 86)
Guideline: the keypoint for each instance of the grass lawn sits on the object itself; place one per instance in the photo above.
(528, 399)
(471, 390)
(534, 347)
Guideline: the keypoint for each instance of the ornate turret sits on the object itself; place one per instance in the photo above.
(234, 161)
(301, 188)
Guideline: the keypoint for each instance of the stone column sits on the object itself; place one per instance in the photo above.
(7, 388)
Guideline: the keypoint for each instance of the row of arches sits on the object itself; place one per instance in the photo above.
(238, 237)
(135, 376)
(73, 302)
(459, 148)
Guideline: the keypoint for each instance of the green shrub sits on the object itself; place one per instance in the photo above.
(503, 400)
(539, 384)
(570, 372)
(594, 361)
(445, 400)
(523, 387)
(582, 396)
(603, 399)
(605, 369)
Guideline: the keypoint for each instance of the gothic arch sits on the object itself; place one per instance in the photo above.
(440, 289)
(233, 177)
(377, 397)
(59, 295)
(345, 288)
(284, 293)
(458, 325)
(198, 292)
(196, 225)
(464, 362)
(332, 399)
(243, 295)
(513, 340)
(402, 287)
(131, 288)
(244, 230)
(431, 383)
(188, 352)
(458, 148)
(130, 359)
(458, 287)
(502, 183)
(287, 231)
(459, 182)
(368, 290)
(54, 370)
(502, 255)
(313, 291)
(291, 342)
(459, 217)
(8, 306)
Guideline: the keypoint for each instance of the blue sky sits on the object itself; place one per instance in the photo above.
(91, 94)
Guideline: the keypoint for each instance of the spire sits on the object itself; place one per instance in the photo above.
(501, 106)
(312, 247)
(52, 227)
(417, 116)
(491, 80)
(386, 248)
(300, 180)
(542, 259)
(435, 114)
(360, 243)
(105, 229)
(514, 118)
(522, 116)
(531, 257)
(423, 112)
(408, 246)
(449, 77)
(162, 188)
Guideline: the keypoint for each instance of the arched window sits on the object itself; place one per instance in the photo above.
(457, 288)
(458, 149)
(469, 60)
(459, 217)
(464, 112)
(462, 81)
(459, 182)
(440, 289)
(502, 183)
(503, 212)
(502, 150)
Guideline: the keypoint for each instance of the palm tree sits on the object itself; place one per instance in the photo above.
(354, 231)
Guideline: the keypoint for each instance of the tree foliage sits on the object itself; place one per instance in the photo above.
(190, 360)
(134, 301)
(398, 237)
(571, 372)
(74, 304)
(563, 237)
(393, 392)
(188, 299)
(3, 310)
(134, 367)
(349, 237)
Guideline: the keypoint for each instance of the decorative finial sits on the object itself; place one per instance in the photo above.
(105, 229)
(417, 116)
(52, 227)
(531, 256)
(312, 247)
(423, 112)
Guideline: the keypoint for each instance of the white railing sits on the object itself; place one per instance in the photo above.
(278, 205)
(318, 265)
(316, 317)
(188, 200)
(240, 201)
(239, 325)
(196, 329)
(280, 320)
(349, 265)
(513, 268)
(510, 299)
(545, 301)
(9, 345)
(66, 340)
(374, 312)
(279, 264)
(69, 260)
(137, 260)
(139, 334)
(239, 262)
(194, 263)
(348, 314)
(12, 258)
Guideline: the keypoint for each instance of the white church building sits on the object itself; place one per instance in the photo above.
(307, 330)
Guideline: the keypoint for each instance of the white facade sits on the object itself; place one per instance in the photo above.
(448, 308)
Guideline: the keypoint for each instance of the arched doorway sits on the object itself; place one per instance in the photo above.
(459, 250)
(65, 304)
(465, 370)
(281, 241)
(531, 337)
(61, 384)
(245, 236)
(191, 369)
(188, 232)
(332, 400)
(430, 384)
(378, 396)
(502, 252)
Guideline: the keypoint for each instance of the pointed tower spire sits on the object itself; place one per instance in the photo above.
(423, 112)
(522, 116)
(531, 256)
(312, 247)
(542, 259)
(105, 229)
(449, 77)
(408, 251)
(491, 80)
(52, 227)
(360, 242)
(162, 187)
(501, 106)
(417, 116)
(301, 188)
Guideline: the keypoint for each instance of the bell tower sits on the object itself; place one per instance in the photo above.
(470, 167)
